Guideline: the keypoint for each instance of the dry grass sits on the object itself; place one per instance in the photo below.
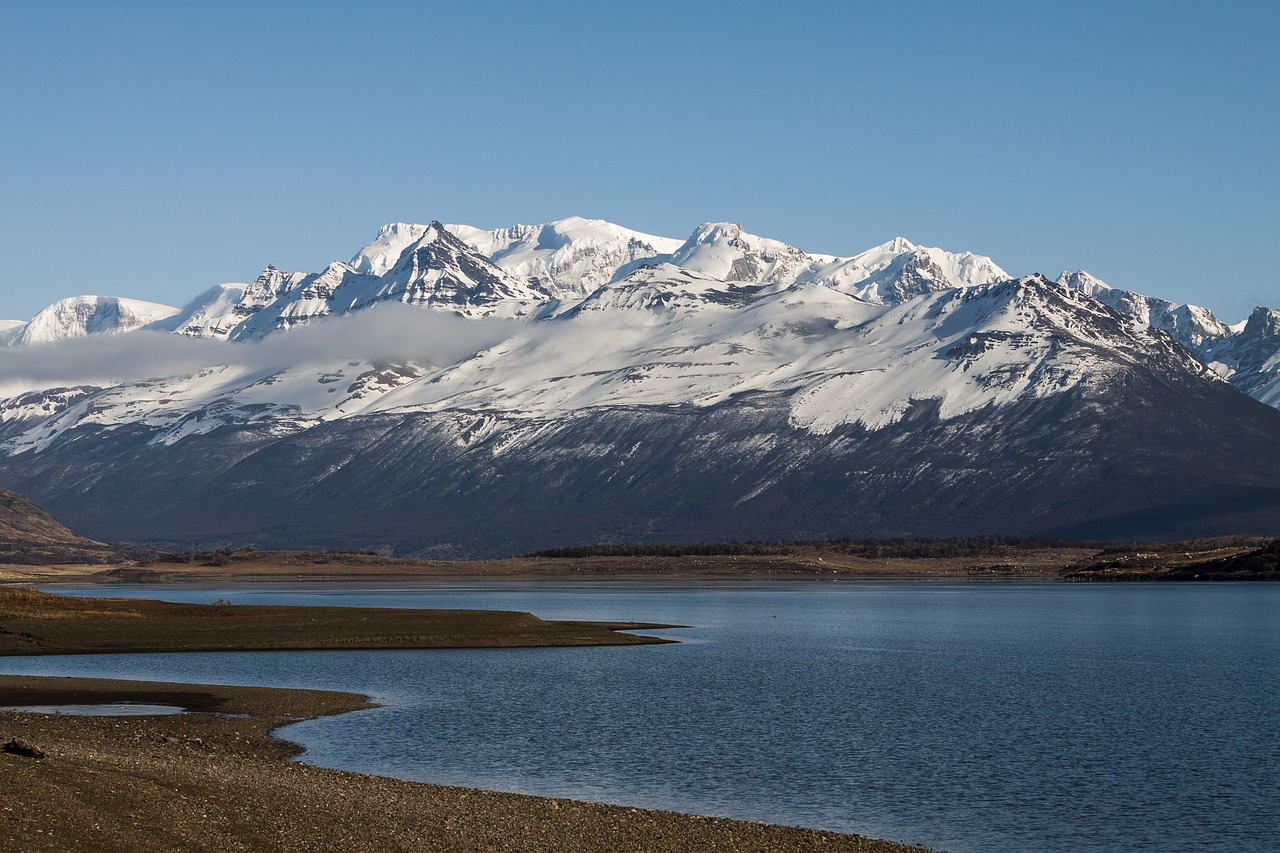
(20, 602)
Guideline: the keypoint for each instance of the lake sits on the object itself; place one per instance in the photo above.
(967, 717)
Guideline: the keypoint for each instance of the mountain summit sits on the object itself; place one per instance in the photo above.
(78, 316)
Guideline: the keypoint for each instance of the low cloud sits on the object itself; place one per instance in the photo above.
(383, 333)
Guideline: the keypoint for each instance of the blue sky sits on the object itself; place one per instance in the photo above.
(153, 150)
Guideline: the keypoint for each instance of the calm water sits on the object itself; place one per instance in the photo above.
(115, 709)
(1002, 717)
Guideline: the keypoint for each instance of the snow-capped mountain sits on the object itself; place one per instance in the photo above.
(433, 269)
(725, 251)
(78, 316)
(382, 254)
(570, 257)
(1190, 325)
(554, 266)
(884, 275)
(534, 271)
(1247, 355)
(838, 360)
(665, 336)
(1250, 357)
(214, 313)
(899, 270)
(440, 271)
(9, 329)
(598, 384)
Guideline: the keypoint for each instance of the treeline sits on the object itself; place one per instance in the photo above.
(953, 546)
(910, 548)
(1189, 546)
(227, 556)
(697, 549)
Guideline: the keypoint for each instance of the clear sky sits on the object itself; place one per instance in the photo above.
(153, 150)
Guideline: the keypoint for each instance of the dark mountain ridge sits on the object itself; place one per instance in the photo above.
(1102, 465)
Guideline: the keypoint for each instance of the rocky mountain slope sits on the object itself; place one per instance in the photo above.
(578, 382)
(22, 520)
(1192, 326)
(30, 535)
(1250, 358)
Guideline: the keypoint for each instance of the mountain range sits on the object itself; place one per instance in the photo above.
(454, 391)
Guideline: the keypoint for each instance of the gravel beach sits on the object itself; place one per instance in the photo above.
(214, 781)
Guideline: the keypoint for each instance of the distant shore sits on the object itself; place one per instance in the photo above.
(1232, 558)
(813, 564)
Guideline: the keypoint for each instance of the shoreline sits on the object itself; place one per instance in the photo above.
(219, 778)
(211, 781)
(1238, 558)
(43, 623)
(1042, 567)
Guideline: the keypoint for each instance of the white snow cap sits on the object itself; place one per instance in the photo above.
(77, 316)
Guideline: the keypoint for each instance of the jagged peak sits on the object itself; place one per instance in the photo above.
(1032, 289)
(710, 231)
(438, 234)
(339, 268)
(1082, 280)
(896, 246)
(1032, 282)
(268, 272)
(396, 228)
(1262, 320)
(274, 278)
(385, 249)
